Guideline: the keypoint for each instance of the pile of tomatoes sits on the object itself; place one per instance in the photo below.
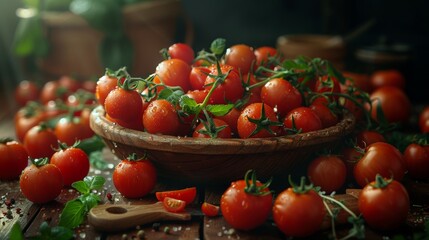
(51, 125)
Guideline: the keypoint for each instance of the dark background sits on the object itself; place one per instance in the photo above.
(257, 23)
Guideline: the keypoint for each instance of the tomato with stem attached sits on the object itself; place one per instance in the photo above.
(134, 177)
(384, 204)
(302, 120)
(13, 159)
(41, 181)
(73, 163)
(216, 129)
(225, 85)
(258, 120)
(70, 129)
(299, 211)
(246, 204)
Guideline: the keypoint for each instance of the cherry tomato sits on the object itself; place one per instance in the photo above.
(379, 158)
(161, 117)
(72, 162)
(328, 172)
(198, 76)
(209, 209)
(52, 90)
(246, 204)
(89, 86)
(229, 90)
(387, 77)
(201, 131)
(26, 91)
(134, 178)
(120, 101)
(104, 86)
(416, 157)
(26, 118)
(71, 84)
(281, 95)
(365, 138)
(263, 54)
(174, 72)
(40, 141)
(326, 115)
(185, 194)
(231, 119)
(384, 204)
(424, 120)
(328, 85)
(265, 116)
(303, 119)
(393, 101)
(241, 57)
(174, 205)
(298, 213)
(71, 129)
(359, 80)
(41, 181)
(13, 159)
(182, 51)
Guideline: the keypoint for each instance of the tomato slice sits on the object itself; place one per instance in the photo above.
(174, 205)
(185, 194)
(209, 209)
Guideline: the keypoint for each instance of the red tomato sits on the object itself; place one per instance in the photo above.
(416, 158)
(89, 85)
(26, 118)
(393, 101)
(161, 117)
(40, 141)
(71, 84)
(350, 156)
(328, 85)
(197, 95)
(379, 158)
(298, 214)
(52, 90)
(182, 51)
(72, 162)
(243, 206)
(186, 194)
(384, 204)
(326, 115)
(359, 80)
(263, 54)
(41, 181)
(198, 76)
(13, 159)
(201, 131)
(388, 77)
(424, 120)
(174, 72)
(120, 101)
(303, 119)
(229, 90)
(174, 205)
(267, 125)
(280, 94)
(26, 91)
(104, 86)
(328, 172)
(134, 178)
(209, 209)
(365, 138)
(241, 57)
(231, 119)
(71, 129)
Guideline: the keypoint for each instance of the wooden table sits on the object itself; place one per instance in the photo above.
(15, 208)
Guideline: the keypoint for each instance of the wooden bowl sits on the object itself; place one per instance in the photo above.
(218, 161)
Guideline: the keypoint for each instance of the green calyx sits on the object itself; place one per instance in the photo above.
(381, 182)
(302, 188)
(263, 123)
(39, 162)
(252, 187)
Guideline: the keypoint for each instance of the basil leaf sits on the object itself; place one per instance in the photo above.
(93, 144)
(219, 110)
(218, 46)
(81, 187)
(73, 214)
(189, 105)
(94, 182)
(16, 233)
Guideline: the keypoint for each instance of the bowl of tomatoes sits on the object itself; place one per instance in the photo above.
(218, 161)
(210, 118)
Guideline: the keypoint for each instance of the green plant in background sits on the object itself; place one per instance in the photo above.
(103, 15)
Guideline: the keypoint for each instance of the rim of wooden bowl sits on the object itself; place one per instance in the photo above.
(115, 133)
